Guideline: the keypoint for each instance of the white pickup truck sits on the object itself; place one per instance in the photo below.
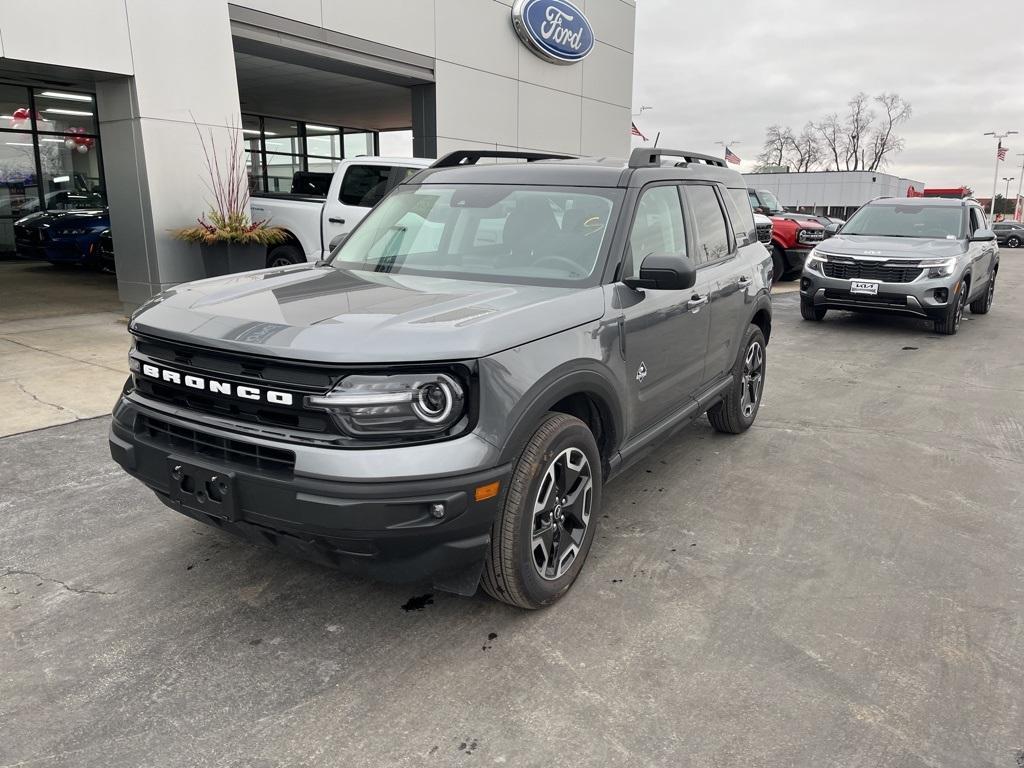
(312, 222)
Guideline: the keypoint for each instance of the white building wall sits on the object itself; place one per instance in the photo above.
(831, 189)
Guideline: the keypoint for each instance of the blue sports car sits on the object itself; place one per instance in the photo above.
(62, 237)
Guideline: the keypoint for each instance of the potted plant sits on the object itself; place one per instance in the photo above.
(229, 241)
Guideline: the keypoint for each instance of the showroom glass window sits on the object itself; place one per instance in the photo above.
(49, 154)
(298, 158)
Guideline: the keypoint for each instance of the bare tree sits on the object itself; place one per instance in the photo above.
(858, 131)
(833, 138)
(805, 150)
(776, 141)
(884, 141)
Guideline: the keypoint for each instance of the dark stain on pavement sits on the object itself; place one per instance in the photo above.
(418, 603)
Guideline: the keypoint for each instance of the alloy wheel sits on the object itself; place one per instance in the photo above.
(961, 300)
(752, 379)
(561, 513)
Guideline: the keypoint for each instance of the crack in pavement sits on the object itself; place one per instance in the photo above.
(68, 587)
(39, 400)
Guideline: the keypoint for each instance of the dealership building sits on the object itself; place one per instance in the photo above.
(100, 102)
(832, 193)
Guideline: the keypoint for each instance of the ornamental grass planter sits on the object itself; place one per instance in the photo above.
(228, 258)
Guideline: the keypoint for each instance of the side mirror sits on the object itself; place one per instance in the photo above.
(983, 236)
(336, 242)
(831, 230)
(664, 273)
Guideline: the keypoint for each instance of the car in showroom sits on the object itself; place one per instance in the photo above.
(922, 257)
(445, 397)
(1009, 233)
(70, 237)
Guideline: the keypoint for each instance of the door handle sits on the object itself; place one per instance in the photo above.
(744, 280)
(696, 302)
(335, 220)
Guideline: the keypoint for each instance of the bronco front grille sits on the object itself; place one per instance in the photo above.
(865, 270)
(197, 443)
(764, 233)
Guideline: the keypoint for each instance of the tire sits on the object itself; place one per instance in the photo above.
(738, 409)
(523, 568)
(982, 305)
(778, 264)
(950, 323)
(808, 310)
(1013, 242)
(284, 255)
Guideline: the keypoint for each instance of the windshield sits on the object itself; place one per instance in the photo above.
(536, 235)
(765, 199)
(904, 220)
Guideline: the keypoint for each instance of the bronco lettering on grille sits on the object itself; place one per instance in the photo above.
(241, 391)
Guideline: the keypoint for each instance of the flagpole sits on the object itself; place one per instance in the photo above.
(656, 138)
(995, 177)
(1020, 185)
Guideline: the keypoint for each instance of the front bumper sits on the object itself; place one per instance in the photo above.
(384, 529)
(924, 297)
(795, 257)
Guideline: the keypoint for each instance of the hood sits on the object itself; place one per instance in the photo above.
(65, 218)
(803, 218)
(892, 247)
(324, 314)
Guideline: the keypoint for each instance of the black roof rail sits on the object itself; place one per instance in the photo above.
(650, 157)
(471, 156)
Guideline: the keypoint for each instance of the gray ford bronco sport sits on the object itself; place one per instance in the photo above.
(445, 397)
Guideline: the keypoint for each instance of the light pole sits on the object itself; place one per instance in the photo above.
(1006, 195)
(995, 177)
(1020, 183)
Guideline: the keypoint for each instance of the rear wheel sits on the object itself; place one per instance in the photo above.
(808, 310)
(983, 304)
(284, 255)
(1013, 241)
(738, 409)
(540, 540)
(950, 323)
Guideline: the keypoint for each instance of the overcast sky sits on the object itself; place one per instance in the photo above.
(725, 70)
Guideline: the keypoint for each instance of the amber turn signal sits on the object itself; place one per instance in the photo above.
(485, 492)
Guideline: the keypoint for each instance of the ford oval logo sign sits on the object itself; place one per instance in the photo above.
(555, 30)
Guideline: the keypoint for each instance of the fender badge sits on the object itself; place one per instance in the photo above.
(641, 372)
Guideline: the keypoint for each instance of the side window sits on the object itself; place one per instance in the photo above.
(737, 203)
(657, 228)
(977, 221)
(709, 223)
(364, 185)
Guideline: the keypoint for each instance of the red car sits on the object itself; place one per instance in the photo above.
(793, 234)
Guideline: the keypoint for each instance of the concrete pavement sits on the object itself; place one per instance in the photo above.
(841, 586)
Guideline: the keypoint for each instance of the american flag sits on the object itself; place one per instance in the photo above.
(732, 157)
(634, 131)
(1001, 151)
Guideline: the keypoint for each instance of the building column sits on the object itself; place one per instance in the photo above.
(150, 125)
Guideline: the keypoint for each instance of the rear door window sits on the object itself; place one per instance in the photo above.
(364, 185)
(737, 203)
(709, 223)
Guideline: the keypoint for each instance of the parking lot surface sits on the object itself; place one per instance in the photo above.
(840, 586)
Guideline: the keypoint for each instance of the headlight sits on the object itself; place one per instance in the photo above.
(939, 267)
(814, 260)
(400, 404)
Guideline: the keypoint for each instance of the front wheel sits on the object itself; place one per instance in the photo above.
(738, 409)
(949, 324)
(809, 311)
(778, 264)
(540, 540)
